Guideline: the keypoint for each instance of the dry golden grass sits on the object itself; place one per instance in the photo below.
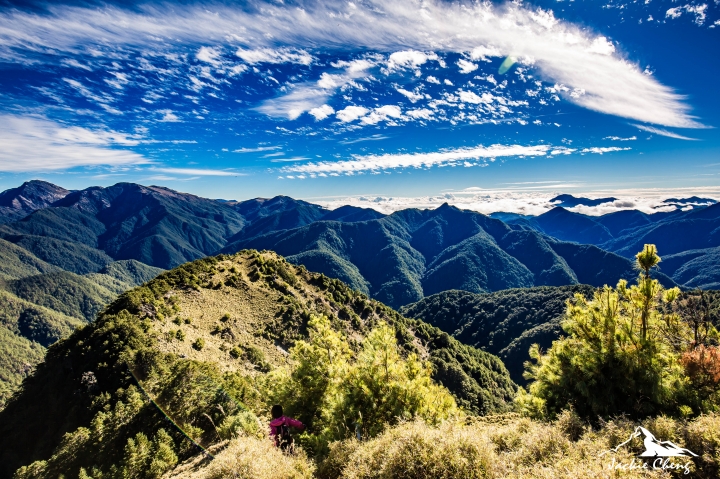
(513, 447)
(235, 315)
(246, 458)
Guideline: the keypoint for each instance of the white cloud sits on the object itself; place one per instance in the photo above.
(619, 138)
(662, 132)
(36, 144)
(700, 12)
(560, 51)
(351, 113)
(466, 66)
(382, 113)
(602, 46)
(604, 149)
(196, 171)
(483, 52)
(432, 79)
(412, 96)
(417, 160)
(471, 97)
(373, 163)
(422, 113)
(256, 149)
(208, 55)
(322, 112)
(168, 116)
(524, 199)
(409, 59)
(308, 97)
(375, 137)
(301, 99)
(269, 55)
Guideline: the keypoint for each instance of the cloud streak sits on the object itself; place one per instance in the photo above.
(459, 156)
(587, 68)
(39, 144)
(663, 132)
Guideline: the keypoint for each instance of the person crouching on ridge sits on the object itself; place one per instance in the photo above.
(280, 428)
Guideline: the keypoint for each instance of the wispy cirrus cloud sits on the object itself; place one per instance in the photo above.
(257, 149)
(663, 132)
(477, 156)
(34, 143)
(594, 73)
(196, 171)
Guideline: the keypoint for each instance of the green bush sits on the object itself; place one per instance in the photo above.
(342, 396)
(198, 344)
(244, 422)
(626, 352)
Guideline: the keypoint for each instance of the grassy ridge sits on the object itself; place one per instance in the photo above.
(247, 310)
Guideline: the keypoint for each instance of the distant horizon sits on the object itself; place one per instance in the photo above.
(482, 201)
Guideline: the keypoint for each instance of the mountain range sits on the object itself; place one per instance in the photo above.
(64, 254)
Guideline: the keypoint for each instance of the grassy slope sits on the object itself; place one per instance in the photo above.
(268, 302)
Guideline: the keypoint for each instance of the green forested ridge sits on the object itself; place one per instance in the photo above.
(18, 356)
(39, 309)
(68, 293)
(164, 228)
(17, 262)
(237, 305)
(27, 329)
(68, 255)
(504, 323)
(400, 258)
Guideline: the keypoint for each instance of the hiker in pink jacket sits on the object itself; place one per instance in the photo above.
(280, 428)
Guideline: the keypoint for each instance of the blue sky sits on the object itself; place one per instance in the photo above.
(365, 99)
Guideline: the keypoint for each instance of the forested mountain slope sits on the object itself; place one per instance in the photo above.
(505, 323)
(412, 253)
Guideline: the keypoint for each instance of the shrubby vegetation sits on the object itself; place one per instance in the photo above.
(340, 395)
(120, 399)
(639, 350)
(99, 400)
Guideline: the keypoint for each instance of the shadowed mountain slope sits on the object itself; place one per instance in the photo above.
(505, 323)
(412, 253)
(16, 203)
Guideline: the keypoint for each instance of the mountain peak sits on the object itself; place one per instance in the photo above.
(17, 203)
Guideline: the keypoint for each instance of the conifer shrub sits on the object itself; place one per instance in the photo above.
(627, 351)
(342, 394)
